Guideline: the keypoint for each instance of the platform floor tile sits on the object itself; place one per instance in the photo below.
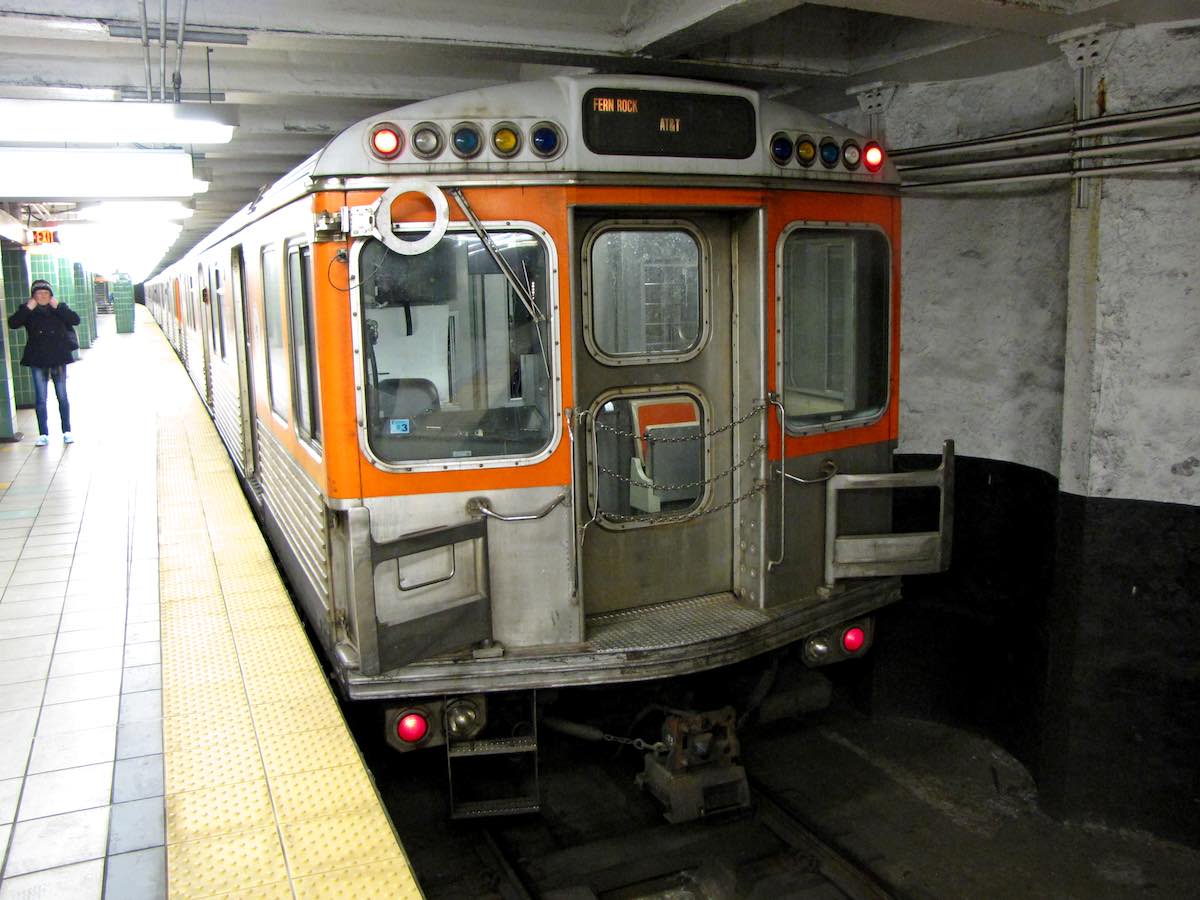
(165, 728)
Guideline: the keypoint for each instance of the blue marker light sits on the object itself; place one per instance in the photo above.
(829, 152)
(781, 149)
(545, 141)
(466, 141)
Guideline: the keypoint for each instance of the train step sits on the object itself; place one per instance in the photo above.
(497, 776)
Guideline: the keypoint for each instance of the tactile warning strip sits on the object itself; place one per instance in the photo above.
(266, 794)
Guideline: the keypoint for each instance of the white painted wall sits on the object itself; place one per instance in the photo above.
(1144, 432)
(985, 291)
(984, 300)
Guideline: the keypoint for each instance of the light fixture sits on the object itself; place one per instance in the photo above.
(39, 173)
(86, 122)
(135, 248)
(190, 35)
(136, 210)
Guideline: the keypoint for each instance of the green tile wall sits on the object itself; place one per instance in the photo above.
(11, 291)
(82, 303)
(122, 291)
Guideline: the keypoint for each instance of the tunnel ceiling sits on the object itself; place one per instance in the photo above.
(301, 70)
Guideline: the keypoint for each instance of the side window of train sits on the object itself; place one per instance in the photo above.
(454, 365)
(277, 372)
(215, 311)
(836, 291)
(643, 298)
(304, 350)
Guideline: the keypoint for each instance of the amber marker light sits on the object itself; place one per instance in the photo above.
(506, 140)
(806, 151)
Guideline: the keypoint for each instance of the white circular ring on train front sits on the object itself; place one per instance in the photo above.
(383, 217)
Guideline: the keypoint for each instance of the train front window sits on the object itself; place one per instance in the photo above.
(836, 324)
(455, 367)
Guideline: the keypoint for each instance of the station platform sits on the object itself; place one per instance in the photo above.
(165, 727)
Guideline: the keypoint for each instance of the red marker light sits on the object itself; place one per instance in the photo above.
(853, 639)
(412, 727)
(873, 157)
(386, 142)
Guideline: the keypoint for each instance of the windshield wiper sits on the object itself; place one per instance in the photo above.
(521, 289)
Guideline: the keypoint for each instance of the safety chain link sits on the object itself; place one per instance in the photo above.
(686, 484)
(660, 519)
(636, 743)
(651, 439)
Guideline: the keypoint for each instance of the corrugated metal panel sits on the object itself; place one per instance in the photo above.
(298, 507)
(227, 411)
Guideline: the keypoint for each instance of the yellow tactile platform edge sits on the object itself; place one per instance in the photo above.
(266, 793)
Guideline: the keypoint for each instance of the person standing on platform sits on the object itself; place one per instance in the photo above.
(50, 347)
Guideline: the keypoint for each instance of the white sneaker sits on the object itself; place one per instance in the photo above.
(42, 441)
(67, 439)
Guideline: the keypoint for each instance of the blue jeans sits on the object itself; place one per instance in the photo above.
(40, 376)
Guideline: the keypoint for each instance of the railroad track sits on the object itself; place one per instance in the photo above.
(765, 852)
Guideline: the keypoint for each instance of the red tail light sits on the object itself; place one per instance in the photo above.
(387, 141)
(853, 639)
(412, 727)
(872, 157)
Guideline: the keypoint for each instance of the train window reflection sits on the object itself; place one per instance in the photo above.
(835, 311)
(277, 371)
(455, 367)
(649, 457)
(645, 292)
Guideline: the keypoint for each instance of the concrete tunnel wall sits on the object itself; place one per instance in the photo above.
(1060, 348)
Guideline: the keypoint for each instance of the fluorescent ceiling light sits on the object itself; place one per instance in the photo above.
(28, 173)
(143, 210)
(134, 249)
(190, 35)
(85, 122)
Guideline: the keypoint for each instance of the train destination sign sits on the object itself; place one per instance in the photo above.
(619, 122)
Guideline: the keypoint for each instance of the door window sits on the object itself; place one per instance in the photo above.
(644, 294)
(836, 325)
(277, 370)
(650, 457)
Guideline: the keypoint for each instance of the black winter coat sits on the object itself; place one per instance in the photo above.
(47, 332)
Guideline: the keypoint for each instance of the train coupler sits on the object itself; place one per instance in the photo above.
(697, 775)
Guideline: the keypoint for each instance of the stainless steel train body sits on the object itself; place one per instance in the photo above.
(579, 381)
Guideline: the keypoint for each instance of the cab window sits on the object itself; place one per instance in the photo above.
(455, 367)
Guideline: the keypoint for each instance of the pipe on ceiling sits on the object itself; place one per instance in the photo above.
(162, 51)
(1153, 118)
(1103, 150)
(177, 78)
(146, 53)
(1158, 165)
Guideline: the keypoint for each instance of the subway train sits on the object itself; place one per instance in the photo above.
(573, 382)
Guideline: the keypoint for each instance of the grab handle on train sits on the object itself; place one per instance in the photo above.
(828, 470)
(479, 506)
(383, 217)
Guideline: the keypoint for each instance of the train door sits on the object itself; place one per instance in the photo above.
(654, 386)
(241, 317)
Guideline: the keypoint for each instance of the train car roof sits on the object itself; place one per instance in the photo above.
(569, 102)
(604, 124)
